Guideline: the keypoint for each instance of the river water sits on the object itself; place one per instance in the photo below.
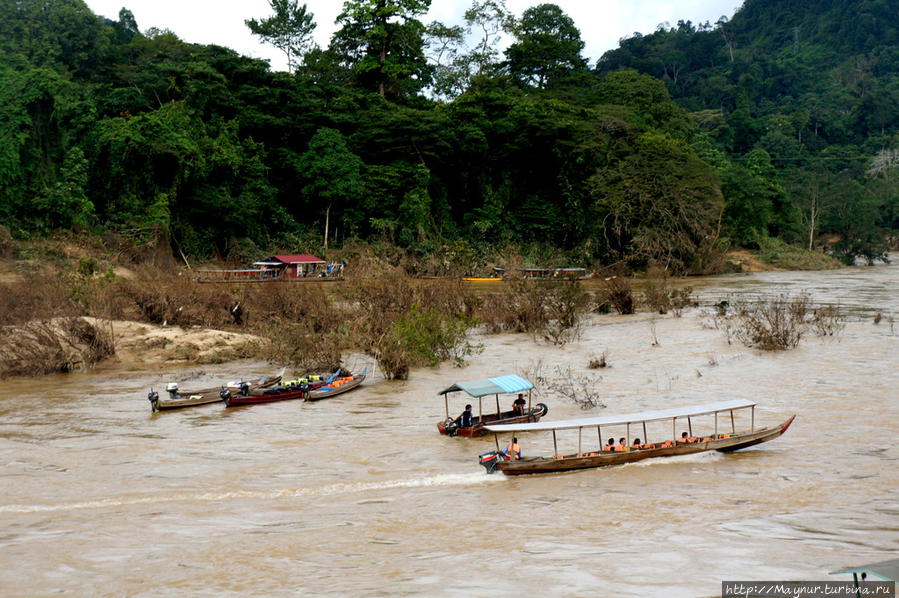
(359, 495)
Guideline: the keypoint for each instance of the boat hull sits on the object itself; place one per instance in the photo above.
(327, 391)
(507, 417)
(270, 396)
(206, 396)
(534, 465)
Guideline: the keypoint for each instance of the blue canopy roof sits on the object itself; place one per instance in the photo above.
(491, 386)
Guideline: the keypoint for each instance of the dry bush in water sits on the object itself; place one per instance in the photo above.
(60, 345)
(776, 324)
(618, 292)
(600, 362)
(566, 305)
(404, 325)
(553, 311)
(660, 297)
(518, 306)
(580, 389)
(828, 320)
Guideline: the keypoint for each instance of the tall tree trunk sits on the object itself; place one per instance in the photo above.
(327, 224)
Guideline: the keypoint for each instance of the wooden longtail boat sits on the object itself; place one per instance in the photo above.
(597, 457)
(271, 395)
(178, 399)
(300, 390)
(478, 389)
(336, 387)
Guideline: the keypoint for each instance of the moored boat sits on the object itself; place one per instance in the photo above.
(178, 399)
(271, 395)
(521, 412)
(335, 387)
(601, 457)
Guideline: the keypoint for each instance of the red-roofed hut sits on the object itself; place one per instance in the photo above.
(294, 266)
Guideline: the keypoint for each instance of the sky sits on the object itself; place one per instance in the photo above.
(601, 22)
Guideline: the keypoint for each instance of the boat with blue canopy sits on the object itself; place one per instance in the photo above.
(522, 411)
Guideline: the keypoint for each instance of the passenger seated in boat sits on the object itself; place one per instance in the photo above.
(513, 450)
(667, 444)
(622, 445)
(518, 405)
(638, 445)
(464, 420)
(610, 447)
(687, 439)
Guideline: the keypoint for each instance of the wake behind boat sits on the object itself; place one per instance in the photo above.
(603, 456)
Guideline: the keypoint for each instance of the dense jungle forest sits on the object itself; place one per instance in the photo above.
(775, 127)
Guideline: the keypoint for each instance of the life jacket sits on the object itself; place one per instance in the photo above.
(621, 448)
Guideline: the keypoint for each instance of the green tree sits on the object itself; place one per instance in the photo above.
(659, 204)
(333, 176)
(548, 47)
(383, 42)
(289, 29)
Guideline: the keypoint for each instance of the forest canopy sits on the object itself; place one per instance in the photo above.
(779, 123)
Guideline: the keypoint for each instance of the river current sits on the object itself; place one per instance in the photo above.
(359, 495)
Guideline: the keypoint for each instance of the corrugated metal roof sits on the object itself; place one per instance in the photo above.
(303, 258)
(491, 386)
(612, 420)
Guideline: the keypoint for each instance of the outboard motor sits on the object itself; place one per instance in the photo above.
(153, 397)
(451, 426)
(172, 388)
(489, 460)
(225, 394)
(304, 388)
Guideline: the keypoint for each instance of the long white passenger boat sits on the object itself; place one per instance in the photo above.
(723, 435)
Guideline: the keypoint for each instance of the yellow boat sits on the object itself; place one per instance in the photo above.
(478, 279)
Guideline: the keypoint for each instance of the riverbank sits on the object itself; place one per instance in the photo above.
(368, 482)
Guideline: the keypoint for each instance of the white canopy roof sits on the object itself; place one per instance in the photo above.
(628, 418)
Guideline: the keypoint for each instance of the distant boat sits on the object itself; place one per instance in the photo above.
(336, 387)
(178, 398)
(597, 457)
(509, 384)
(502, 274)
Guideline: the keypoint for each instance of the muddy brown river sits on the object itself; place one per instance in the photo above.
(359, 496)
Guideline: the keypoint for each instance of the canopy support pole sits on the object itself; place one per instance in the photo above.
(446, 404)
(599, 436)
(627, 441)
(645, 435)
(752, 428)
(733, 425)
(555, 446)
(716, 424)
(498, 412)
(690, 427)
(496, 440)
(674, 429)
(480, 410)
(579, 430)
